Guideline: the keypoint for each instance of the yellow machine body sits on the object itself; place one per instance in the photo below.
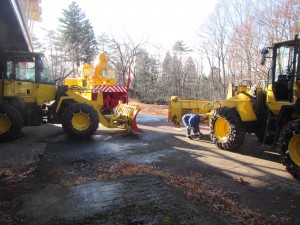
(275, 106)
(29, 97)
(269, 109)
(30, 92)
(124, 115)
(103, 74)
(178, 107)
(96, 74)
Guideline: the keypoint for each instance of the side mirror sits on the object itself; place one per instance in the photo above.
(264, 53)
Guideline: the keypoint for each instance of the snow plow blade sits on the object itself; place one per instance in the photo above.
(125, 116)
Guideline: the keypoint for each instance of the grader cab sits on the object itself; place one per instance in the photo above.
(29, 97)
(270, 109)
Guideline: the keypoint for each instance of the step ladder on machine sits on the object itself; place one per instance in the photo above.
(272, 129)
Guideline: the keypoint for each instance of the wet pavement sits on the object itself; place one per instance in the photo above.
(131, 200)
(53, 166)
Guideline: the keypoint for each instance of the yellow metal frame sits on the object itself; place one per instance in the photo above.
(30, 91)
(98, 75)
(178, 107)
(124, 115)
(93, 75)
(242, 102)
(275, 106)
(243, 105)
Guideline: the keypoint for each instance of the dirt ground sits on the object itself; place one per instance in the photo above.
(192, 182)
(151, 109)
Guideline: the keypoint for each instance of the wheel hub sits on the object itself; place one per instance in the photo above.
(221, 128)
(294, 149)
(5, 123)
(81, 121)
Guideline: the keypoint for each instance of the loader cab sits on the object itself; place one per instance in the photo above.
(285, 69)
(25, 75)
(26, 67)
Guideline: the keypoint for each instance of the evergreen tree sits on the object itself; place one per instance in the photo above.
(179, 75)
(78, 35)
(146, 68)
(190, 79)
(165, 80)
(176, 82)
(179, 46)
(90, 43)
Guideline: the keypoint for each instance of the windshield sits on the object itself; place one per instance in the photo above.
(285, 69)
(25, 69)
(109, 73)
(45, 71)
(284, 62)
(297, 66)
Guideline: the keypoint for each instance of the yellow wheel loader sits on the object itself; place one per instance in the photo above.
(29, 97)
(270, 109)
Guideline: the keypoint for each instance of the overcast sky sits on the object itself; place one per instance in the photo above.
(163, 22)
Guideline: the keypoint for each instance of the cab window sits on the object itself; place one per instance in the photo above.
(44, 73)
(297, 66)
(9, 70)
(284, 66)
(108, 73)
(25, 69)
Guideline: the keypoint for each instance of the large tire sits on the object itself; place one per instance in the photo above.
(11, 122)
(289, 145)
(227, 130)
(80, 120)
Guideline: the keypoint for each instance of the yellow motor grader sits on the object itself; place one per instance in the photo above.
(270, 109)
(30, 97)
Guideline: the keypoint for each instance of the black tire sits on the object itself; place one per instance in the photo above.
(289, 145)
(80, 120)
(11, 122)
(227, 130)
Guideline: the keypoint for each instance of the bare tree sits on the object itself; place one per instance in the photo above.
(234, 33)
(122, 52)
(214, 43)
(58, 58)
